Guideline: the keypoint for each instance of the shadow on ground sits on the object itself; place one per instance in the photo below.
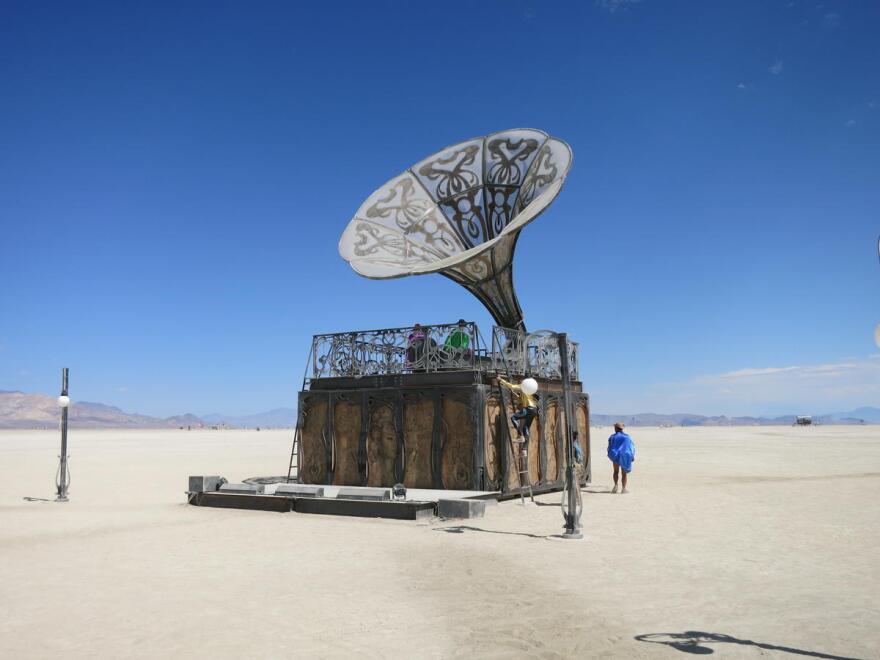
(461, 529)
(697, 642)
(593, 491)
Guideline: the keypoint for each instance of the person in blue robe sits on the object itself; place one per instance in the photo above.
(622, 453)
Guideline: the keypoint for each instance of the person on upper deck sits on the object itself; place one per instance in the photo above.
(457, 344)
(415, 349)
(459, 337)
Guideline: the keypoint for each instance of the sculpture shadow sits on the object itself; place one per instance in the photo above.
(582, 490)
(461, 529)
(697, 642)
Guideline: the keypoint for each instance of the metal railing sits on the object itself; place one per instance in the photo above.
(436, 348)
(531, 353)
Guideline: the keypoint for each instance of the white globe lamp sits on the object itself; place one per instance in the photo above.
(529, 386)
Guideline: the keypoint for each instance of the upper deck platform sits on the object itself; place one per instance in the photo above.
(432, 354)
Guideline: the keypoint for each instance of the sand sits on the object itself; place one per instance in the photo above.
(766, 538)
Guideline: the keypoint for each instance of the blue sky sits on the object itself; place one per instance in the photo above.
(174, 178)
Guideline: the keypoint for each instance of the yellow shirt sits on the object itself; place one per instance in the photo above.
(525, 400)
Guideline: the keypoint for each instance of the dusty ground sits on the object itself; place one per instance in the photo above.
(765, 539)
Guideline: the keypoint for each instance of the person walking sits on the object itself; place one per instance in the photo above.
(622, 453)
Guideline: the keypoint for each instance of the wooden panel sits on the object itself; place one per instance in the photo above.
(505, 430)
(549, 440)
(583, 428)
(346, 435)
(458, 434)
(535, 451)
(512, 461)
(493, 446)
(418, 431)
(314, 449)
(381, 445)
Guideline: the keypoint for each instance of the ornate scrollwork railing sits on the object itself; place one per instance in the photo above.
(508, 350)
(434, 348)
(531, 353)
(414, 349)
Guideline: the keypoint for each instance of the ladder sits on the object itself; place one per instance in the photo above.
(523, 471)
(293, 469)
(520, 456)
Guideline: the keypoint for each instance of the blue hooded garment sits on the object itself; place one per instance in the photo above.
(621, 450)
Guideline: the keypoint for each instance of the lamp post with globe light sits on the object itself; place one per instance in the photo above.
(63, 480)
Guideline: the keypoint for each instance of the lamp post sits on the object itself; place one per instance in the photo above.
(571, 512)
(63, 480)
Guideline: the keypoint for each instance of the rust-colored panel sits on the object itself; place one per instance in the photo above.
(418, 430)
(563, 457)
(314, 456)
(458, 432)
(493, 434)
(381, 445)
(583, 428)
(346, 435)
(535, 451)
(514, 452)
(512, 449)
(549, 442)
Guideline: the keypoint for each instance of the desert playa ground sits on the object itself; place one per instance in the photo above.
(744, 542)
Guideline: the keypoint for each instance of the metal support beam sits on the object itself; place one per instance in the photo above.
(571, 512)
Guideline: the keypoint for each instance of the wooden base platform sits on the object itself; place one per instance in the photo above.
(431, 430)
(325, 506)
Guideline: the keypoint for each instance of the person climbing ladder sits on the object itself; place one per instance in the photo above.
(527, 405)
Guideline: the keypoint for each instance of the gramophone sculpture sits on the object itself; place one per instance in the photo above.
(420, 406)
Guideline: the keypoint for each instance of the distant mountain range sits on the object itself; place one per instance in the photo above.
(19, 410)
(864, 415)
(276, 418)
